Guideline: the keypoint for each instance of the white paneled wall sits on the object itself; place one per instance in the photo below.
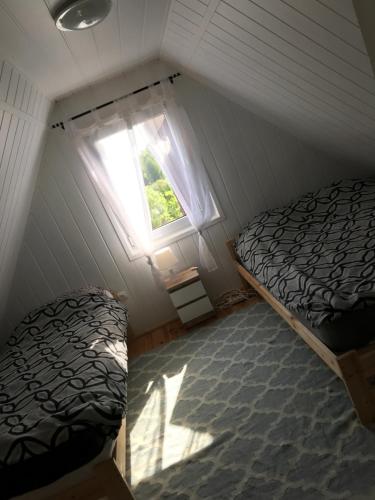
(23, 114)
(70, 242)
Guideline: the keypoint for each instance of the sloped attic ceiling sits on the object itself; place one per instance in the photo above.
(62, 62)
(300, 63)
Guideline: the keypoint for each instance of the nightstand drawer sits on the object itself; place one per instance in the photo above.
(195, 309)
(187, 294)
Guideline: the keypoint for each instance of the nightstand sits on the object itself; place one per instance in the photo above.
(189, 297)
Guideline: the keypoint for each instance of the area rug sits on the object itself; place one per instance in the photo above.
(243, 409)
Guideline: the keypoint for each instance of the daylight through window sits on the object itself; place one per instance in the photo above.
(162, 201)
(143, 178)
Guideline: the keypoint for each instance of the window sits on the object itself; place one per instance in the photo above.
(137, 163)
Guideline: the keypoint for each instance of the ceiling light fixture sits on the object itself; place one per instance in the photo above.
(81, 14)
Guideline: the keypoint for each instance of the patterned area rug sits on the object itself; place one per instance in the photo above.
(243, 409)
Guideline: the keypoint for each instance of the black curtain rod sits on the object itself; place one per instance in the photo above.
(142, 89)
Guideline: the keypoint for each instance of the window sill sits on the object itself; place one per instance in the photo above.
(173, 234)
(160, 242)
(178, 230)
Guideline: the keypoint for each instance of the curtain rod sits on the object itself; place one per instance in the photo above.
(142, 89)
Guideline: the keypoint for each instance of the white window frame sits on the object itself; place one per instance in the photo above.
(162, 236)
(181, 228)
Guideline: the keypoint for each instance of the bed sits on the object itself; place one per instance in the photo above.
(314, 262)
(63, 397)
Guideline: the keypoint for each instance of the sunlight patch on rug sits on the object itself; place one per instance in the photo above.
(156, 443)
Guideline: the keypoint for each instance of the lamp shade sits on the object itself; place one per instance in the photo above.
(165, 258)
(81, 14)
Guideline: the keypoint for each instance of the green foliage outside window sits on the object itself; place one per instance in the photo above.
(162, 201)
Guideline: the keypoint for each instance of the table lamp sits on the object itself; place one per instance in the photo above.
(165, 259)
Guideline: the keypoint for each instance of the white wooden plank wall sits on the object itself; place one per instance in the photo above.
(70, 242)
(23, 115)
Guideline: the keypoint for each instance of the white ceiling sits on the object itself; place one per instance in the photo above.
(61, 62)
(301, 63)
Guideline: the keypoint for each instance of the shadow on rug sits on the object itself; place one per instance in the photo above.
(243, 409)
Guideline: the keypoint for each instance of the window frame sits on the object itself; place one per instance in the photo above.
(172, 232)
(182, 228)
(164, 235)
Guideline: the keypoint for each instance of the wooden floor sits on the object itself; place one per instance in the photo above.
(173, 329)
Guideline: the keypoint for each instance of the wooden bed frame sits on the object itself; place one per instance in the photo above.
(354, 367)
(106, 479)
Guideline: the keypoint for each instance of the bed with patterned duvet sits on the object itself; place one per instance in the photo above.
(317, 257)
(62, 388)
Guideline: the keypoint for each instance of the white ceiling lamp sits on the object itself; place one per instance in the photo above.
(81, 14)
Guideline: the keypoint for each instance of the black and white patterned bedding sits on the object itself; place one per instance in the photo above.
(317, 255)
(63, 375)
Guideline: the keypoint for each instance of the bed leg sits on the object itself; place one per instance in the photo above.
(357, 387)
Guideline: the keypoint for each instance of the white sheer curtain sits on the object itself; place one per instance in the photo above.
(173, 143)
(109, 152)
(110, 148)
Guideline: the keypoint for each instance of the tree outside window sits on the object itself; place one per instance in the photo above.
(162, 201)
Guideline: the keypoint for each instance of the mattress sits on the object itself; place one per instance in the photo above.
(62, 388)
(317, 257)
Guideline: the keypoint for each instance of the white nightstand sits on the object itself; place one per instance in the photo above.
(189, 297)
